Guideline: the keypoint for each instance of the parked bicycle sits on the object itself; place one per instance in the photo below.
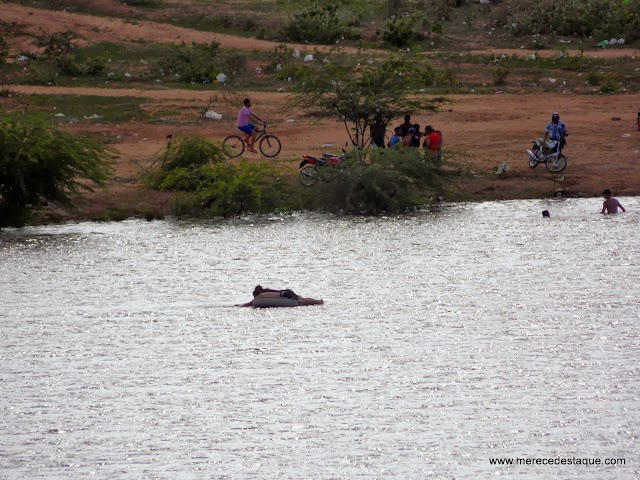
(269, 145)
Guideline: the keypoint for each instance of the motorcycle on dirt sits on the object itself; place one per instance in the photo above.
(308, 167)
(549, 153)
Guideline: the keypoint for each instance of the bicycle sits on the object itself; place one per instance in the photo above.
(269, 145)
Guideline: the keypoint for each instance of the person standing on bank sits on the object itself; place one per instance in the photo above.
(404, 127)
(245, 115)
(610, 204)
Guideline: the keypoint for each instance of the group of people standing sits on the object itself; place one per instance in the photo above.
(409, 135)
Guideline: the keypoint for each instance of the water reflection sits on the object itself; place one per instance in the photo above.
(447, 338)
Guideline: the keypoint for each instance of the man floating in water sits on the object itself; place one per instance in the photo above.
(265, 296)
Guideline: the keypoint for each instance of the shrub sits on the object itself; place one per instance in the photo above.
(610, 85)
(395, 181)
(227, 189)
(143, 3)
(281, 56)
(40, 164)
(192, 63)
(402, 31)
(4, 50)
(598, 18)
(318, 23)
(234, 64)
(188, 151)
(594, 78)
(213, 187)
(58, 44)
(500, 75)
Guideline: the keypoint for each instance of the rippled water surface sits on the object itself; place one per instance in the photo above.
(448, 338)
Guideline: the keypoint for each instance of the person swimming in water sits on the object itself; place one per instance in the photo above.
(262, 292)
(610, 204)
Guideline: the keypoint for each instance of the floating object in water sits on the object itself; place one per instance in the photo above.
(271, 302)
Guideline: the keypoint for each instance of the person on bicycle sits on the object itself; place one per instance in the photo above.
(556, 130)
(245, 115)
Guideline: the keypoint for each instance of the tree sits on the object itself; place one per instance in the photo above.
(41, 165)
(367, 94)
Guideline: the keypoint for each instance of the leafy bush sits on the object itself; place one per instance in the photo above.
(395, 181)
(4, 50)
(143, 3)
(40, 164)
(404, 30)
(500, 75)
(227, 189)
(213, 187)
(58, 58)
(233, 64)
(598, 18)
(318, 23)
(58, 44)
(280, 57)
(610, 85)
(188, 151)
(594, 78)
(192, 63)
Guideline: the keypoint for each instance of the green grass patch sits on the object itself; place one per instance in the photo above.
(118, 52)
(240, 25)
(82, 107)
(144, 3)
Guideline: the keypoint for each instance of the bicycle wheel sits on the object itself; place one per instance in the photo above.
(556, 164)
(233, 146)
(308, 175)
(270, 146)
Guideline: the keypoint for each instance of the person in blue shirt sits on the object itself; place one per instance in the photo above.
(556, 130)
(394, 141)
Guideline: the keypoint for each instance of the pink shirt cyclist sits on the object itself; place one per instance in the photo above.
(245, 115)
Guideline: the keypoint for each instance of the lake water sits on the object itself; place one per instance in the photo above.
(448, 338)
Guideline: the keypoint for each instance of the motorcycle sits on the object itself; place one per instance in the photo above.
(308, 167)
(549, 153)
